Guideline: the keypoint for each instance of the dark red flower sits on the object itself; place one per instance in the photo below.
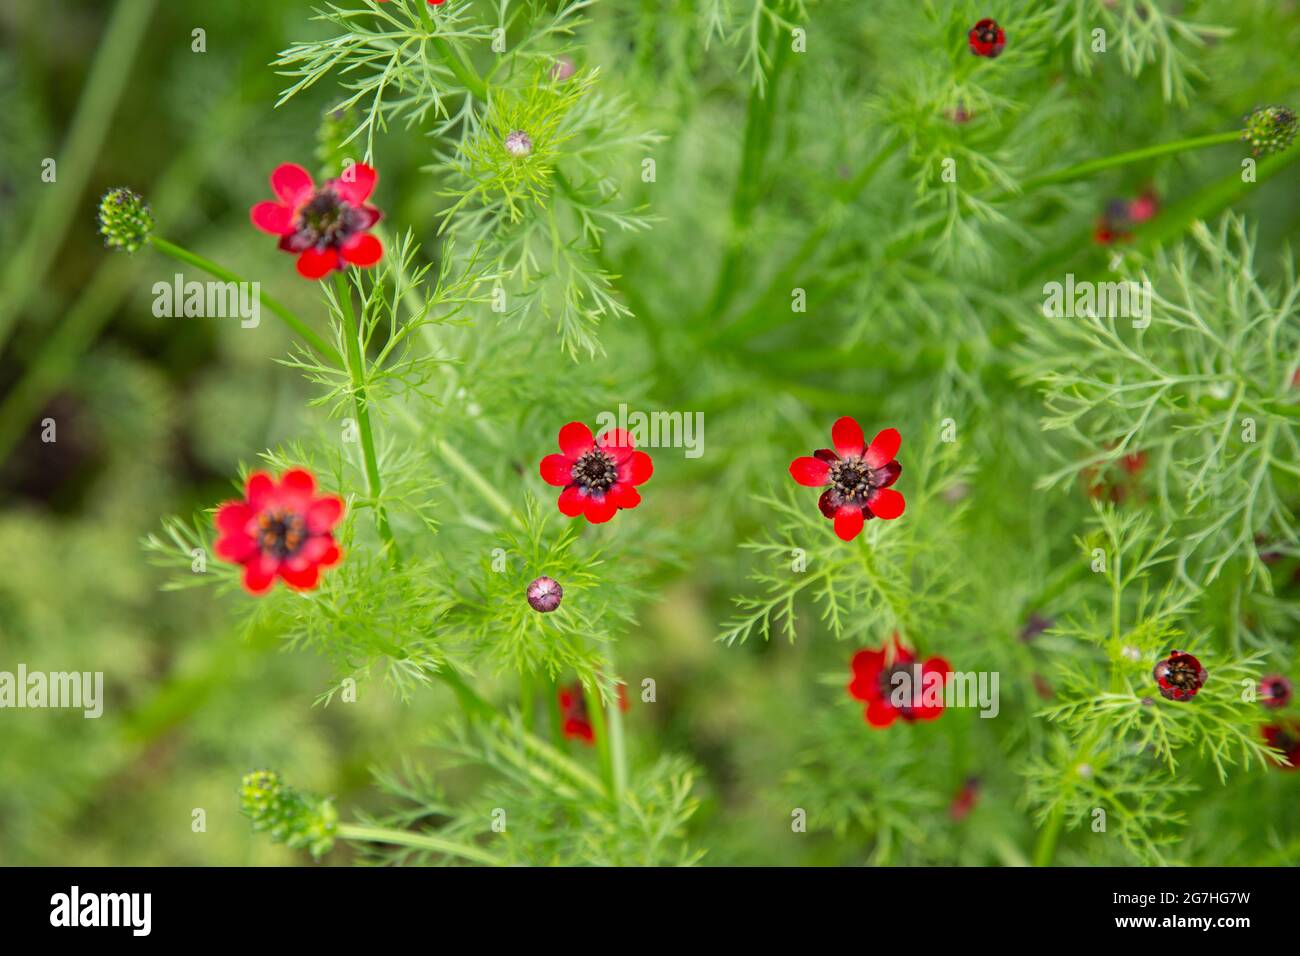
(986, 38)
(859, 477)
(280, 529)
(1286, 738)
(966, 798)
(1274, 691)
(877, 681)
(1179, 676)
(573, 708)
(599, 477)
(1105, 482)
(326, 227)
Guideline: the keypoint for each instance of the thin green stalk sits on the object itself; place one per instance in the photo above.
(291, 321)
(1048, 837)
(31, 258)
(453, 457)
(600, 730)
(420, 841)
(463, 70)
(361, 404)
(1080, 170)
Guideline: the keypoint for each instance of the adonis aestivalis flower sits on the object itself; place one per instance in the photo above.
(599, 476)
(327, 227)
(893, 685)
(986, 38)
(573, 708)
(858, 476)
(1179, 676)
(1285, 736)
(281, 529)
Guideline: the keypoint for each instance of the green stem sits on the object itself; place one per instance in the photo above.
(421, 841)
(291, 321)
(31, 258)
(1081, 170)
(360, 402)
(463, 70)
(1050, 835)
(453, 457)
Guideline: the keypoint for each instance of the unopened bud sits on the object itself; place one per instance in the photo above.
(125, 221)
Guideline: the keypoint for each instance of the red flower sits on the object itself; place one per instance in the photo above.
(1274, 691)
(859, 477)
(1179, 676)
(328, 226)
(573, 708)
(966, 798)
(1286, 738)
(1105, 483)
(280, 528)
(598, 476)
(874, 683)
(986, 38)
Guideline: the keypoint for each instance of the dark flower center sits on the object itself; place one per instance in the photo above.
(325, 220)
(987, 33)
(280, 533)
(888, 687)
(853, 479)
(1183, 675)
(596, 471)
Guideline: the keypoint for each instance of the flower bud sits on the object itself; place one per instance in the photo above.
(298, 821)
(545, 594)
(519, 144)
(1270, 129)
(125, 221)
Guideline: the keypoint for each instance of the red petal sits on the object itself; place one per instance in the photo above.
(880, 714)
(886, 503)
(259, 489)
(576, 440)
(571, 502)
(356, 184)
(363, 250)
(884, 447)
(316, 263)
(846, 436)
(637, 469)
(302, 579)
(868, 663)
(272, 217)
(296, 490)
(617, 442)
(233, 517)
(599, 510)
(623, 496)
(556, 470)
(235, 548)
(810, 472)
(259, 574)
(324, 513)
(848, 522)
(292, 184)
(892, 471)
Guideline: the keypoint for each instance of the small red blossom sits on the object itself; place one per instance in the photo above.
(1104, 481)
(281, 529)
(327, 227)
(859, 477)
(573, 708)
(986, 38)
(877, 682)
(1274, 691)
(1179, 676)
(1286, 738)
(1121, 216)
(965, 801)
(599, 476)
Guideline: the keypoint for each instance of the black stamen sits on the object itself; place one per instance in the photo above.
(595, 471)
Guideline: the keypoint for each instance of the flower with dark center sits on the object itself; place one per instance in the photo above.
(986, 38)
(327, 227)
(599, 477)
(877, 679)
(518, 143)
(1274, 691)
(1179, 676)
(573, 710)
(1270, 129)
(859, 477)
(125, 220)
(1286, 738)
(281, 529)
(545, 594)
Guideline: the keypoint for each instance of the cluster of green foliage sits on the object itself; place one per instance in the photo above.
(773, 213)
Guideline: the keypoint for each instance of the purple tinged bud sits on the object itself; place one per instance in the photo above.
(518, 143)
(545, 594)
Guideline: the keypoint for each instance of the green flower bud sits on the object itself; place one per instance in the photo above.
(1270, 129)
(299, 821)
(125, 221)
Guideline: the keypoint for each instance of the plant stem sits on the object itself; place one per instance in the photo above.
(1081, 170)
(422, 841)
(95, 109)
(1045, 848)
(291, 321)
(453, 457)
(458, 65)
(357, 373)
